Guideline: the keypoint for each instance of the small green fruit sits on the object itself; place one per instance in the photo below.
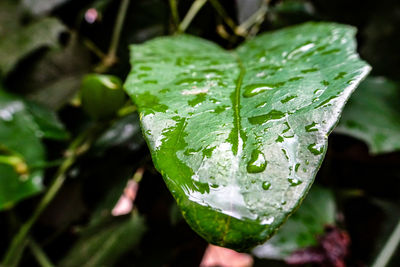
(102, 95)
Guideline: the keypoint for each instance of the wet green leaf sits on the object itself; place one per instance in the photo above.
(373, 115)
(17, 45)
(20, 143)
(303, 227)
(239, 135)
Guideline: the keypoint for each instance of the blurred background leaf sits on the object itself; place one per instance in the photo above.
(22, 126)
(10, 13)
(373, 115)
(103, 245)
(303, 227)
(42, 7)
(54, 78)
(19, 137)
(47, 122)
(18, 44)
(125, 131)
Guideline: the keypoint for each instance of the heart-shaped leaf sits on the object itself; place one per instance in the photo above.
(239, 135)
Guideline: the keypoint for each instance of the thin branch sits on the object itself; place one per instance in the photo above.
(221, 11)
(39, 254)
(194, 9)
(92, 47)
(174, 11)
(254, 21)
(123, 8)
(111, 56)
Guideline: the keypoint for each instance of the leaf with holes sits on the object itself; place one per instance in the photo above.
(239, 135)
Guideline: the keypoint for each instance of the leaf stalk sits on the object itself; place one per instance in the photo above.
(111, 57)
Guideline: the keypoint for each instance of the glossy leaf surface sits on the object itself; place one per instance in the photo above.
(303, 227)
(239, 135)
(373, 115)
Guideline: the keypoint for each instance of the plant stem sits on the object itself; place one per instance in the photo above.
(124, 111)
(221, 11)
(174, 11)
(111, 56)
(254, 20)
(19, 241)
(92, 47)
(389, 249)
(194, 9)
(137, 177)
(38, 253)
(123, 8)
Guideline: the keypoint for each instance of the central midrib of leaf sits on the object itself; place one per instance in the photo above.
(235, 136)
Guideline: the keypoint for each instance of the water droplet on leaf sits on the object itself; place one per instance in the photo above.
(266, 185)
(288, 98)
(309, 70)
(255, 89)
(294, 181)
(257, 162)
(272, 115)
(313, 148)
(340, 75)
(311, 127)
